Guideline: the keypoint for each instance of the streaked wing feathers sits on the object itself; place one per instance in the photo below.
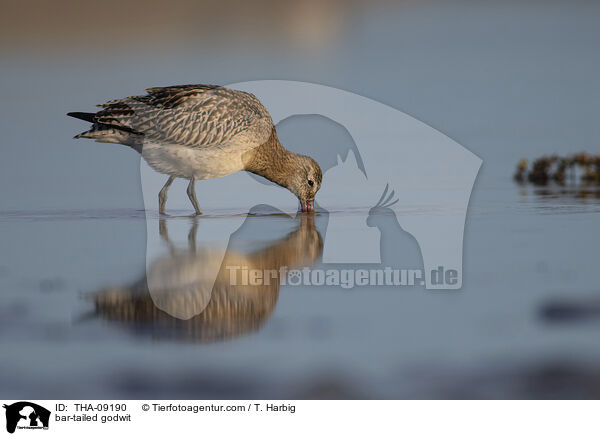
(191, 115)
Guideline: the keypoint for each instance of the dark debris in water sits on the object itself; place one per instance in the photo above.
(553, 380)
(574, 311)
(560, 169)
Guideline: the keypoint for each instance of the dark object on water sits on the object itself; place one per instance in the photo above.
(521, 170)
(560, 169)
(571, 311)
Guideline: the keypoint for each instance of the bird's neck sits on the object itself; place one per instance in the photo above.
(272, 161)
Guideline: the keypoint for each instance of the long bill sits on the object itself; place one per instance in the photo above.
(308, 205)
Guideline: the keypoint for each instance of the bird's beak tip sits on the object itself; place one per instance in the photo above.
(307, 205)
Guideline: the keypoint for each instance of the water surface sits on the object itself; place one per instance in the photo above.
(506, 82)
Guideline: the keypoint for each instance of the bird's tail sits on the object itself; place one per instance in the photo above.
(108, 133)
(90, 117)
(85, 116)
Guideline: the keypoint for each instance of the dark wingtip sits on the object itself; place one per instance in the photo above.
(85, 116)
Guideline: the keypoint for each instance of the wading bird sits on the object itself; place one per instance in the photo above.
(199, 132)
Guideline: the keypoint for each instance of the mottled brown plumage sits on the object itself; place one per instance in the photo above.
(203, 131)
(293, 171)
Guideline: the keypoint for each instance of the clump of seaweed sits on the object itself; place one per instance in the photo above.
(560, 169)
(521, 170)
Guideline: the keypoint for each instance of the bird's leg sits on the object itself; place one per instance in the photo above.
(163, 231)
(192, 236)
(164, 234)
(191, 192)
(162, 195)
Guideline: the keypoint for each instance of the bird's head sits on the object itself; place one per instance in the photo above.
(305, 181)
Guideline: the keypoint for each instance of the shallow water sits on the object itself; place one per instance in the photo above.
(65, 341)
(77, 319)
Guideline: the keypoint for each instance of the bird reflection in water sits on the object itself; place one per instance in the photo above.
(210, 310)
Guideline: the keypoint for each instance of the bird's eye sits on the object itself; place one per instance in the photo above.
(310, 182)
